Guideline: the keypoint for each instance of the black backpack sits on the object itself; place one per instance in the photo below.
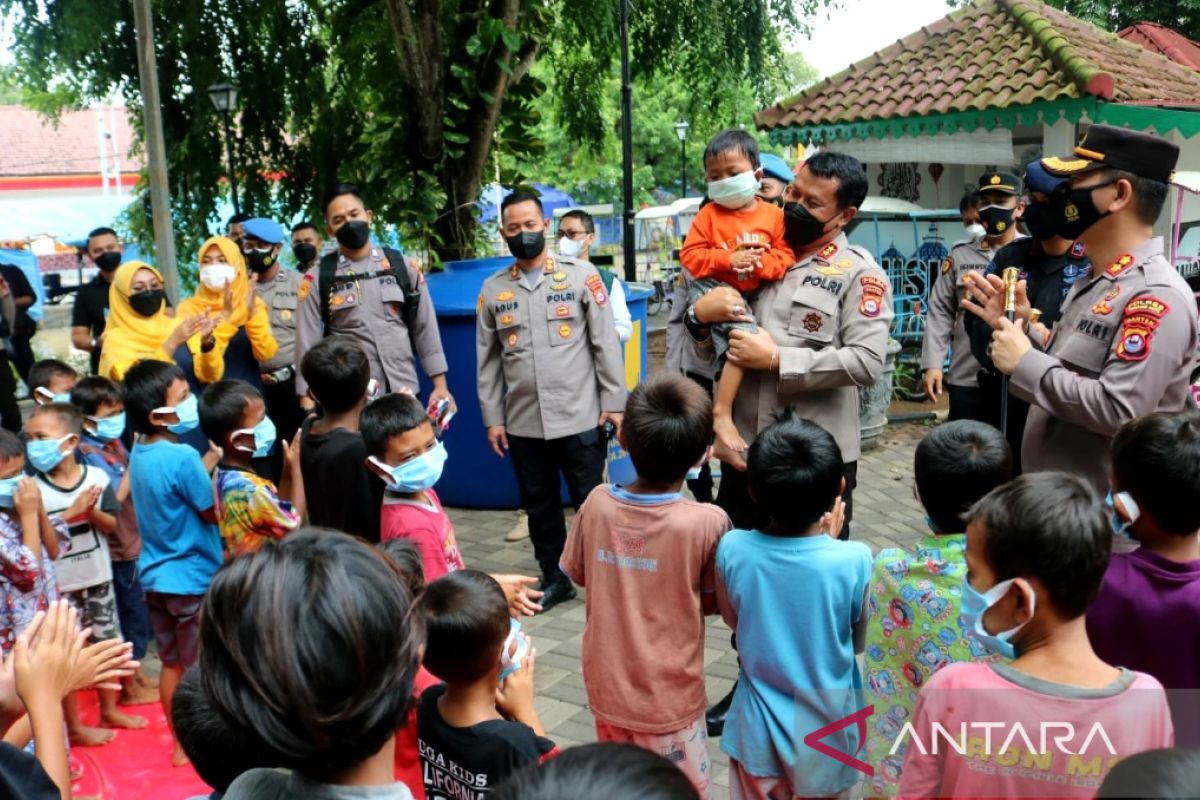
(327, 280)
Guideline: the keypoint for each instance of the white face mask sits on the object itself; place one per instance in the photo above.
(215, 276)
(569, 247)
(734, 192)
(976, 232)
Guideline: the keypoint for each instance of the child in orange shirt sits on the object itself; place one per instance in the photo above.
(737, 241)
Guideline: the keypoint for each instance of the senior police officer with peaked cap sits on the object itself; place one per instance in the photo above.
(550, 375)
(1126, 343)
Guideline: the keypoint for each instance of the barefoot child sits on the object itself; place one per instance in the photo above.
(736, 240)
(84, 498)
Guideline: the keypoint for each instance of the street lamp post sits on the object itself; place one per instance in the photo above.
(224, 98)
(681, 129)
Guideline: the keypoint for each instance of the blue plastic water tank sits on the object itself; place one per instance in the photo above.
(474, 476)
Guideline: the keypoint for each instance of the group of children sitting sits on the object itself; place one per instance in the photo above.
(387, 664)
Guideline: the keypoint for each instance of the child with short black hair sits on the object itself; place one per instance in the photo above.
(1037, 548)
(83, 497)
(600, 771)
(406, 454)
(737, 240)
(481, 725)
(794, 595)
(406, 557)
(1165, 772)
(342, 493)
(645, 546)
(310, 644)
(217, 751)
(1155, 588)
(173, 497)
(915, 597)
(102, 404)
(250, 509)
(51, 381)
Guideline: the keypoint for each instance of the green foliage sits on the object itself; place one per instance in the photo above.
(404, 97)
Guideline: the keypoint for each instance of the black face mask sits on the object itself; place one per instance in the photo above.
(259, 261)
(526, 245)
(354, 235)
(1074, 210)
(996, 220)
(304, 252)
(147, 303)
(800, 227)
(1039, 219)
(107, 261)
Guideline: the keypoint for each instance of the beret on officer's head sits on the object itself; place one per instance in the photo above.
(265, 230)
(1109, 147)
(775, 167)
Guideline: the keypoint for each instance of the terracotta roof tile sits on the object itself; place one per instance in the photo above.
(1161, 39)
(31, 145)
(991, 54)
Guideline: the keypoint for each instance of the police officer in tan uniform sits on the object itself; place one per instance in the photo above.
(999, 208)
(550, 376)
(823, 327)
(1127, 339)
(279, 289)
(367, 302)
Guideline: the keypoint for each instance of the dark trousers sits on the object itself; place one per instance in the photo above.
(10, 412)
(22, 354)
(990, 387)
(734, 496)
(283, 407)
(966, 402)
(132, 613)
(702, 487)
(579, 459)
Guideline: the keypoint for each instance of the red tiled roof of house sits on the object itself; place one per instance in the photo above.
(990, 54)
(1161, 39)
(32, 145)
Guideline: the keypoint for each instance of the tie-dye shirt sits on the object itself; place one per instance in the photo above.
(27, 582)
(250, 511)
(913, 630)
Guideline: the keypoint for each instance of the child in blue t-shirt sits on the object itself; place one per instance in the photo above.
(173, 499)
(793, 593)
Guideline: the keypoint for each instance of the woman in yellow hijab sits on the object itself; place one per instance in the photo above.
(139, 328)
(242, 327)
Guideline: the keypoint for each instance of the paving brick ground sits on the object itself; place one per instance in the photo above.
(885, 515)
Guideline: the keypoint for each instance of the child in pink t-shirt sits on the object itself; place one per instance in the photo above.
(648, 559)
(406, 454)
(1055, 719)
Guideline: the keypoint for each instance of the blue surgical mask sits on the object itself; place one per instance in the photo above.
(1121, 526)
(188, 413)
(8, 489)
(693, 474)
(417, 475)
(734, 192)
(44, 454)
(109, 428)
(44, 396)
(975, 604)
(264, 438)
(511, 663)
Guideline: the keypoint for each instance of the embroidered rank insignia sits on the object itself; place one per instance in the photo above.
(827, 251)
(1141, 318)
(549, 266)
(305, 287)
(503, 296)
(831, 271)
(479, 303)
(947, 265)
(559, 287)
(506, 319)
(1119, 266)
(512, 340)
(813, 322)
(562, 311)
(514, 272)
(559, 276)
(1105, 305)
(1078, 250)
(564, 331)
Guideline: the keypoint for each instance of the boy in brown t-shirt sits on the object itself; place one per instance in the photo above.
(647, 558)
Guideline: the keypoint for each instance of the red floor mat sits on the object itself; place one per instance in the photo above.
(136, 765)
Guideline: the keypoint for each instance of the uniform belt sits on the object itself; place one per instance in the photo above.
(279, 376)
